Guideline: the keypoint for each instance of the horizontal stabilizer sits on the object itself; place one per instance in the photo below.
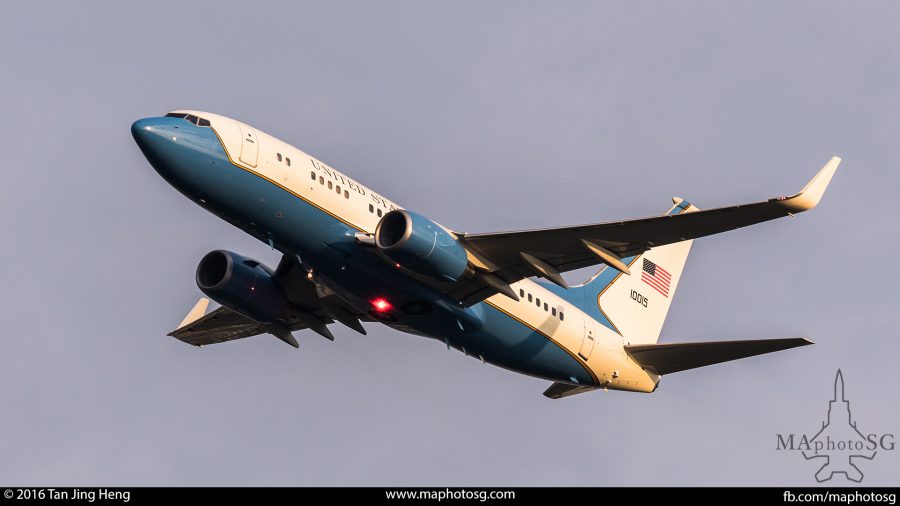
(560, 390)
(674, 357)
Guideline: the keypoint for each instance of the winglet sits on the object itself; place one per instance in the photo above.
(812, 193)
(196, 313)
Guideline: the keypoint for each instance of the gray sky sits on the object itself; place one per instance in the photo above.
(484, 116)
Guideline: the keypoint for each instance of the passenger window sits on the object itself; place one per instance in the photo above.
(561, 316)
(379, 213)
(530, 298)
(279, 156)
(338, 188)
(312, 175)
(553, 311)
(321, 180)
(330, 186)
(346, 194)
(545, 306)
(371, 208)
(521, 292)
(288, 160)
(538, 301)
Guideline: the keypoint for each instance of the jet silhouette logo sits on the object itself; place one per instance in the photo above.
(839, 446)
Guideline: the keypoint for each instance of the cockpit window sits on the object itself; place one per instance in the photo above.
(190, 118)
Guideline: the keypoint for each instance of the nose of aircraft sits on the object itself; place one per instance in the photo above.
(141, 126)
(151, 136)
(162, 140)
(182, 152)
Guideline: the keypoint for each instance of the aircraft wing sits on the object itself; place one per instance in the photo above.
(219, 326)
(512, 256)
(316, 306)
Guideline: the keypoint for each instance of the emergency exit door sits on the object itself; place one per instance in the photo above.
(249, 145)
(587, 344)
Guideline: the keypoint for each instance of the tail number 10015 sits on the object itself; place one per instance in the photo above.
(640, 299)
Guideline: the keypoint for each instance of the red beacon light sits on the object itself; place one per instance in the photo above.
(381, 305)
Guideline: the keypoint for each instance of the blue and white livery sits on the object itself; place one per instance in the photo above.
(351, 255)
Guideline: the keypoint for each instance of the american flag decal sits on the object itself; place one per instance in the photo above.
(657, 277)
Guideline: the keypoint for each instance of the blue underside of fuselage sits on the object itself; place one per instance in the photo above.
(196, 164)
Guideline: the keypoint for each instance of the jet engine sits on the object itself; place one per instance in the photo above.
(243, 285)
(420, 245)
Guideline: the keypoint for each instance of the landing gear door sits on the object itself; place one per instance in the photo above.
(249, 145)
(587, 344)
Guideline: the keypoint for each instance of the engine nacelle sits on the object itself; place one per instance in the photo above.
(420, 245)
(243, 285)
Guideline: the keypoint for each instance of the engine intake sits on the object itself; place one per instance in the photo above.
(243, 285)
(421, 245)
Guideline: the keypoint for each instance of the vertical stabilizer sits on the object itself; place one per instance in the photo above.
(635, 305)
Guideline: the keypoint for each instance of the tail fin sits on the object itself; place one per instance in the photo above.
(635, 306)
